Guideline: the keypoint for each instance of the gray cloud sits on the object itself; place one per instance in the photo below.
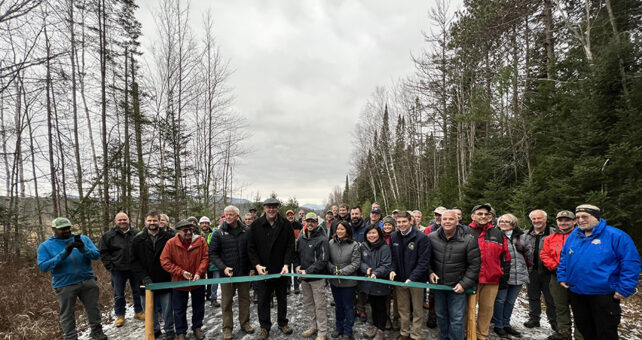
(303, 71)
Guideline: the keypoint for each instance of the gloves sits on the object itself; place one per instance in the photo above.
(70, 247)
(147, 281)
(78, 243)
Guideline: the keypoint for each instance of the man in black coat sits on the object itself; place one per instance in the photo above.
(114, 248)
(271, 250)
(146, 250)
(229, 253)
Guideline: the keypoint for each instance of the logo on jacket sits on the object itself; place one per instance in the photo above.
(411, 245)
(365, 253)
(596, 241)
(570, 251)
(309, 246)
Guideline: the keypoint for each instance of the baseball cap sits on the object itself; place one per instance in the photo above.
(565, 213)
(60, 222)
(376, 211)
(439, 210)
(311, 216)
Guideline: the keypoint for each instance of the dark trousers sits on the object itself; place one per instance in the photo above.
(265, 289)
(118, 282)
(596, 316)
(344, 308)
(378, 304)
(179, 304)
(538, 286)
(87, 292)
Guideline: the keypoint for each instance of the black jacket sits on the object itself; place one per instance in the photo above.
(455, 260)
(376, 256)
(115, 248)
(227, 250)
(312, 252)
(271, 248)
(410, 255)
(145, 257)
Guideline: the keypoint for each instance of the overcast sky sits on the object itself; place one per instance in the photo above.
(303, 72)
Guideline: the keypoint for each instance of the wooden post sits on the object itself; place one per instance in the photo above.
(471, 317)
(149, 315)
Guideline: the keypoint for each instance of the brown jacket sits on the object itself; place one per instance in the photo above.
(175, 259)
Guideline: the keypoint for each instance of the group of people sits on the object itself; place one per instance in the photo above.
(582, 264)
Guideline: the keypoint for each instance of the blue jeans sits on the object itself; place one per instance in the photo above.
(118, 282)
(451, 314)
(215, 275)
(179, 303)
(163, 306)
(504, 303)
(344, 308)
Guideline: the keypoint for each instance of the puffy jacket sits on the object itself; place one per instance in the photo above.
(312, 252)
(359, 231)
(376, 256)
(519, 249)
(66, 269)
(271, 248)
(552, 249)
(145, 257)
(345, 257)
(495, 256)
(531, 237)
(604, 262)
(410, 255)
(175, 258)
(115, 248)
(229, 250)
(455, 260)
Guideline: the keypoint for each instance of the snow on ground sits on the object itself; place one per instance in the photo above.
(297, 315)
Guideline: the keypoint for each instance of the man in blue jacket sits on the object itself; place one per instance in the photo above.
(600, 265)
(68, 257)
(410, 250)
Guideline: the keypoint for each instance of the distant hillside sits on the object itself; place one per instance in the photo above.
(316, 207)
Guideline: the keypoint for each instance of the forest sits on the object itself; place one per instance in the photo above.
(523, 104)
(90, 125)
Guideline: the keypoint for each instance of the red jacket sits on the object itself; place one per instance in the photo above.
(175, 259)
(552, 249)
(493, 246)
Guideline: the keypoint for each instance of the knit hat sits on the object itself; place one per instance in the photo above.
(389, 219)
(589, 209)
(204, 219)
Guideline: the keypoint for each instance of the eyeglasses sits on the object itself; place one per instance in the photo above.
(583, 217)
(502, 221)
(185, 230)
(483, 214)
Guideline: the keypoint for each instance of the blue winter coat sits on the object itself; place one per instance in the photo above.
(376, 256)
(66, 269)
(410, 255)
(605, 262)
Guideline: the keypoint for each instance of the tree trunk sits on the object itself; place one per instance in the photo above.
(50, 130)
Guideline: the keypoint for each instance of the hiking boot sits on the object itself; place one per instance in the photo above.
(379, 335)
(531, 323)
(120, 320)
(431, 322)
(140, 316)
(500, 332)
(287, 330)
(97, 334)
(199, 334)
(216, 303)
(511, 331)
(370, 332)
(388, 324)
(263, 334)
(309, 332)
(336, 334)
(227, 333)
(247, 328)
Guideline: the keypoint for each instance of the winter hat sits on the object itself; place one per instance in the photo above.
(389, 219)
(192, 219)
(204, 219)
(589, 209)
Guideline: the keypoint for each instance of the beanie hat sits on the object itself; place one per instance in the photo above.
(589, 209)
